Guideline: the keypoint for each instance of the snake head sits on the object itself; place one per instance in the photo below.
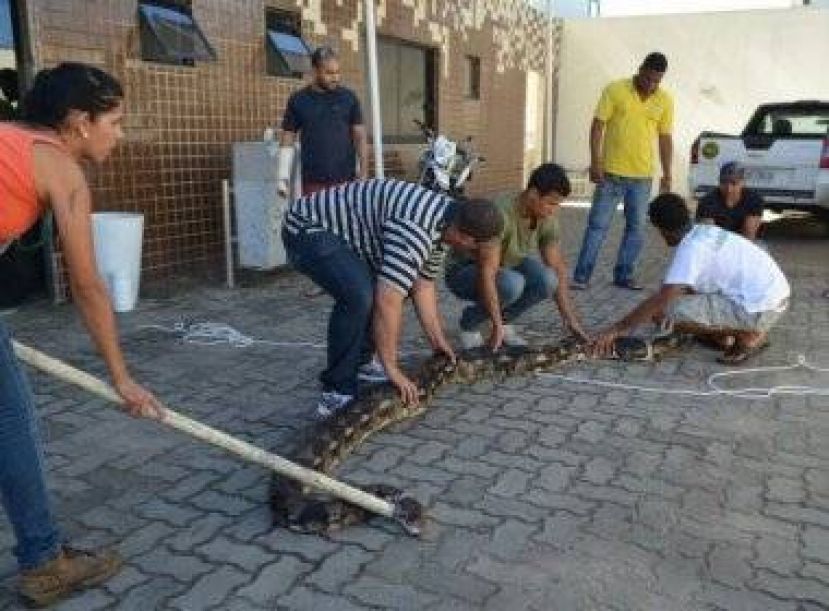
(410, 515)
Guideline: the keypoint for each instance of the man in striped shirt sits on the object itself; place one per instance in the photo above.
(370, 244)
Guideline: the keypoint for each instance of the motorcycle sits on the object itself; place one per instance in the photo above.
(444, 166)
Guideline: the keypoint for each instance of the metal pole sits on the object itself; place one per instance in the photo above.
(548, 132)
(228, 233)
(374, 87)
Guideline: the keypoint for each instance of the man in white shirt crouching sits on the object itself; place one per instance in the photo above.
(720, 287)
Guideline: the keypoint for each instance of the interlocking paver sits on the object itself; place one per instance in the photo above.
(306, 599)
(541, 493)
(466, 491)
(792, 588)
(437, 579)
(211, 590)
(816, 544)
(200, 530)
(145, 539)
(274, 580)
(339, 569)
(511, 483)
(175, 514)
(128, 578)
(150, 595)
(246, 556)
(778, 554)
(510, 539)
(373, 591)
(183, 567)
(728, 565)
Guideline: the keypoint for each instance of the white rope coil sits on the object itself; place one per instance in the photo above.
(215, 333)
(714, 386)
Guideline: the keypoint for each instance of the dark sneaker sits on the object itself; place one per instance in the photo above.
(629, 284)
(578, 285)
(71, 570)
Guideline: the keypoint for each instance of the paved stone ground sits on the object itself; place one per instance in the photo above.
(543, 493)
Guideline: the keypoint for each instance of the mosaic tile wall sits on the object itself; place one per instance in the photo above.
(182, 120)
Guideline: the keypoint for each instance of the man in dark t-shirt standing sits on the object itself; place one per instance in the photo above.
(732, 206)
(329, 121)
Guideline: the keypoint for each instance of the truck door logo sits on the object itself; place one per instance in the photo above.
(710, 150)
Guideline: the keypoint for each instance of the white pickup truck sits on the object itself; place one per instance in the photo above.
(785, 150)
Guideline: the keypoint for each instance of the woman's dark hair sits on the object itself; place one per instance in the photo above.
(69, 86)
(669, 212)
(549, 177)
(321, 55)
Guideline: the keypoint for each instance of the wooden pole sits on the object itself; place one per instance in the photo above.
(196, 429)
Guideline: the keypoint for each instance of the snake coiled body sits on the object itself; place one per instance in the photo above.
(330, 441)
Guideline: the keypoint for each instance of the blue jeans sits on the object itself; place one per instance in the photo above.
(22, 479)
(332, 264)
(519, 288)
(635, 193)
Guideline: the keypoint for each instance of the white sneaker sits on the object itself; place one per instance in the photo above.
(332, 402)
(373, 371)
(471, 339)
(512, 338)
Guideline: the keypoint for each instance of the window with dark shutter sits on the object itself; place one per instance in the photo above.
(170, 34)
(287, 53)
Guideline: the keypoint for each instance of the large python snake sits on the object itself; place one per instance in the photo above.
(330, 441)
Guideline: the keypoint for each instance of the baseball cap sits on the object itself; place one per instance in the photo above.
(733, 170)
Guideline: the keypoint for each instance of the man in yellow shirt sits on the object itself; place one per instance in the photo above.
(631, 114)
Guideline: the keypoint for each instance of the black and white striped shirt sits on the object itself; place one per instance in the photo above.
(395, 226)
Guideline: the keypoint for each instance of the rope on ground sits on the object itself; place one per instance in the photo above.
(714, 383)
(216, 333)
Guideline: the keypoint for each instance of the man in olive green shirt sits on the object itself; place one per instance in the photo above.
(501, 278)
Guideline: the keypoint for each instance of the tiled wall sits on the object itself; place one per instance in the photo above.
(182, 120)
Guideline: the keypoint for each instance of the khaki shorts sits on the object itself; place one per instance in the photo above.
(712, 310)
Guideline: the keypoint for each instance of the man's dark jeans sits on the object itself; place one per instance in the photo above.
(331, 263)
(519, 288)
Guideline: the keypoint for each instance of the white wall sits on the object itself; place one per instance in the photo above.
(617, 8)
(720, 67)
(571, 8)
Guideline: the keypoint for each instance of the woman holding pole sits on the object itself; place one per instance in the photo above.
(73, 114)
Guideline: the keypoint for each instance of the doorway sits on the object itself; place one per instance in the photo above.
(23, 263)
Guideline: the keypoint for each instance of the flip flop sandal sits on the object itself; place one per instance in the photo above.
(737, 355)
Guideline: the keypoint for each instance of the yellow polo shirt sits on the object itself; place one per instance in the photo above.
(631, 126)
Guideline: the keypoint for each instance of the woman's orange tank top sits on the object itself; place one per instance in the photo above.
(20, 207)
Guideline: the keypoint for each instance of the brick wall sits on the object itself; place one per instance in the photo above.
(182, 121)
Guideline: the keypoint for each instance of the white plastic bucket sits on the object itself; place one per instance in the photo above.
(118, 237)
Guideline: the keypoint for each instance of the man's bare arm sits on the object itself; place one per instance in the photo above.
(359, 135)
